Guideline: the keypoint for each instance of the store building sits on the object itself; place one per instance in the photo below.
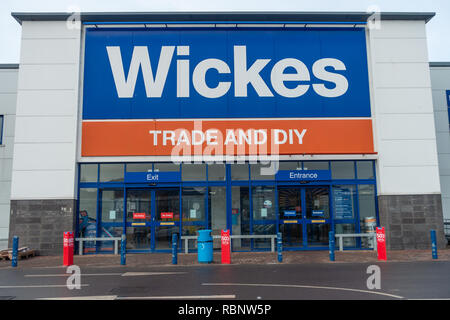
(149, 124)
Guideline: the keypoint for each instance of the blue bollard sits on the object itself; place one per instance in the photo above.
(331, 245)
(433, 244)
(280, 247)
(123, 248)
(15, 251)
(174, 248)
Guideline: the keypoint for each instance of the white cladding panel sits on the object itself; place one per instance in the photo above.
(44, 164)
(8, 89)
(440, 81)
(402, 108)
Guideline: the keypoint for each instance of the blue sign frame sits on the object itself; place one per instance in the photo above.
(307, 45)
(303, 175)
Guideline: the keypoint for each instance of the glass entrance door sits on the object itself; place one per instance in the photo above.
(140, 227)
(153, 215)
(290, 213)
(304, 216)
(317, 204)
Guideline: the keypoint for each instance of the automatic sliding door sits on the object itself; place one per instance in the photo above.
(167, 214)
(290, 214)
(317, 215)
(139, 220)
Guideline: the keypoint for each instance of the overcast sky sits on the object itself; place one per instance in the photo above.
(438, 29)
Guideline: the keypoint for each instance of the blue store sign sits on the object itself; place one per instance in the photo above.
(303, 175)
(152, 177)
(138, 73)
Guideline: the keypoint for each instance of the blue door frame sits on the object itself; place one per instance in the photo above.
(228, 184)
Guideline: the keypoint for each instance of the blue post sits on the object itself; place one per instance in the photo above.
(433, 244)
(174, 248)
(280, 247)
(15, 251)
(331, 245)
(123, 248)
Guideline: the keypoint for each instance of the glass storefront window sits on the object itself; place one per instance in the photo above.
(110, 232)
(193, 172)
(315, 165)
(342, 170)
(111, 172)
(194, 204)
(240, 216)
(166, 167)
(260, 171)
(346, 228)
(216, 172)
(364, 170)
(139, 167)
(290, 165)
(88, 172)
(263, 203)
(239, 171)
(343, 200)
(217, 203)
(87, 224)
(263, 229)
(112, 206)
(367, 209)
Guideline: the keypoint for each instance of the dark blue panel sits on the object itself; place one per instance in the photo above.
(303, 175)
(101, 101)
(152, 177)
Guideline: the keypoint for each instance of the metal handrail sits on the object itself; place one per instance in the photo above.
(235, 236)
(115, 239)
(341, 237)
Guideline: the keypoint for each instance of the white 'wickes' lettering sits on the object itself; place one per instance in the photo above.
(243, 76)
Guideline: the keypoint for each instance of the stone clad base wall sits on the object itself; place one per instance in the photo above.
(408, 220)
(40, 224)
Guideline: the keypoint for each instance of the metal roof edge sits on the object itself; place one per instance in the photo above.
(437, 64)
(9, 66)
(255, 16)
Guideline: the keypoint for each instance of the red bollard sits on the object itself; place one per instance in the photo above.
(226, 250)
(381, 244)
(68, 248)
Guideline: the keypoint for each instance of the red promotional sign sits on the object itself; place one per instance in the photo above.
(166, 215)
(138, 215)
(381, 244)
(226, 250)
(68, 248)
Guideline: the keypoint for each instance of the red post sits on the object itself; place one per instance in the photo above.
(68, 243)
(381, 244)
(226, 250)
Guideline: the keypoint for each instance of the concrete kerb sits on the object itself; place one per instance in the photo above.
(237, 258)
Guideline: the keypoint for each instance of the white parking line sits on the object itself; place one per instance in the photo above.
(81, 298)
(224, 296)
(302, 286)
(69, 274)
(126, 274)
(137, 274)
(39, 286)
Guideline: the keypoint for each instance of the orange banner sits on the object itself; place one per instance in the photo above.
(226, 137)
